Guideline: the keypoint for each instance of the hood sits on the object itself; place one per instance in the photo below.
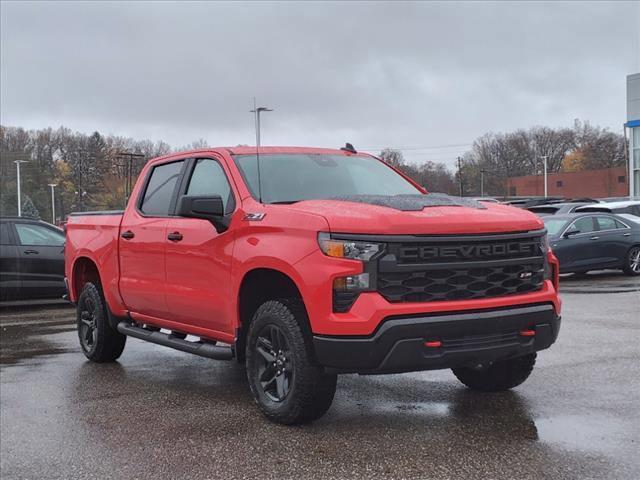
(345, 216)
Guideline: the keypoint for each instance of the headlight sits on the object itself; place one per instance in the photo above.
(347, 249)
(544, 244)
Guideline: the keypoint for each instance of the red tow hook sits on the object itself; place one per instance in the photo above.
(433, 343)
(529, 332)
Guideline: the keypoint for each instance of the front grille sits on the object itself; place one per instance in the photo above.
(426, 270)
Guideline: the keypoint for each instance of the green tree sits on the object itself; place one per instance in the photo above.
(29, 209)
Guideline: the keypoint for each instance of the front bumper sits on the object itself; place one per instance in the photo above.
(467, 339)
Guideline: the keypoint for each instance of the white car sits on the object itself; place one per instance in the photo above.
(629, 207)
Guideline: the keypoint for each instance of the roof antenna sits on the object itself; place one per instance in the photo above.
(348, 148)
(256, 111)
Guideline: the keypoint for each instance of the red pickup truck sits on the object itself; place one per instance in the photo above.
(304, 263)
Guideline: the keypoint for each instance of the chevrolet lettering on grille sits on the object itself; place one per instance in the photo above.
(434, 252)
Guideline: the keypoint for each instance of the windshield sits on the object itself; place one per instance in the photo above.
(554, 225)
(288, 178)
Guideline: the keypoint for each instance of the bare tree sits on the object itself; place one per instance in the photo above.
(392, 157)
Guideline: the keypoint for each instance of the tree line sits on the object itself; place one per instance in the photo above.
(500, 156)
(92, 171)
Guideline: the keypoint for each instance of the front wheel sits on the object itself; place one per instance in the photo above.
(99, 341)
(287, 384)
(498, 376)
(632, 261)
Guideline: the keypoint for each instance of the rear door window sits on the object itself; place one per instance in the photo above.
(608, 223)
(159, 194)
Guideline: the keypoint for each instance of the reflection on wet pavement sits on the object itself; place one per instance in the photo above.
(158, 413)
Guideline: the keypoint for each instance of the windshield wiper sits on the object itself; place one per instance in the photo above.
(284, 202)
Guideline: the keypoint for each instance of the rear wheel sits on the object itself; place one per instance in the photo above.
(498, 376)
(99, 341)
(287, 384)
(632, 261)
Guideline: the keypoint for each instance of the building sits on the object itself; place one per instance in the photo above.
(633, 124)
(606, 182)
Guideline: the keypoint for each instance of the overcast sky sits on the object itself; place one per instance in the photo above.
(422, 76)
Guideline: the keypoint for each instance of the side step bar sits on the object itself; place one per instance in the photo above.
(197, 348)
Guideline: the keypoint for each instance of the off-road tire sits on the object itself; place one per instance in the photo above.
(499, 376)
(99, 341)
(629, 261)
(310, 389)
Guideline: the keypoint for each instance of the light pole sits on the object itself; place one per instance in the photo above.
(53, 202)
(544, 166)
(257, 111)
(460, 176)
(18, 162)
(482, 182)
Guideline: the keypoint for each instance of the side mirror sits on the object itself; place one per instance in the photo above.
(207, 207)
(570, 233)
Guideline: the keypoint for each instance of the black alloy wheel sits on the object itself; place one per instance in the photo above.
(633, 261)
(88, 329)
(275, 364)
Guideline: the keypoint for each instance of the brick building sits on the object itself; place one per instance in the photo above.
(607, 182)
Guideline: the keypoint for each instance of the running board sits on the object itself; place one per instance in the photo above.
(197, 348)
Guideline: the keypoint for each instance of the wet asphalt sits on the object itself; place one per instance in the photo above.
(158, 413)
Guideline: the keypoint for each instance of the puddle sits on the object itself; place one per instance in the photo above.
(593, 433)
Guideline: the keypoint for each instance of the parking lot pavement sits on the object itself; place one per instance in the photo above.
(158, 413)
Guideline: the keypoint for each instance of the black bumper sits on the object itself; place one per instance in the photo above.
(467, 339)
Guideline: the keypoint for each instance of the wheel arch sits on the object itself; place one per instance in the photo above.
(258, 286)
(84, 271)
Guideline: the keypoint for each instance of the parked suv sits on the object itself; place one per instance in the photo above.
(31, 259)
(304, 263)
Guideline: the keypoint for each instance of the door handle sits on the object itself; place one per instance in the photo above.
(594, 238)
(128, 235)
(626, 234)
(175, 236)
(29, 252)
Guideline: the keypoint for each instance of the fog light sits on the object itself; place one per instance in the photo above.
(347, 289)
(352, 283)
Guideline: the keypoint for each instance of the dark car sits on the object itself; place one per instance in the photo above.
(629, 207)
(557, 208)
(593, 241)
(31, 259)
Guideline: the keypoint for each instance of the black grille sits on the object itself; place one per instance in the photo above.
(460, 268)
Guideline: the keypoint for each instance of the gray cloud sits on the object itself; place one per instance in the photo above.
(375, 74)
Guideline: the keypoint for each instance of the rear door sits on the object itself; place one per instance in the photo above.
(9, 272)
(142, 241)
(198, 258)
(613, 241)
(41, 259)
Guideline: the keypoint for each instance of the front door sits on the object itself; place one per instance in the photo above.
(198, 258)
(142, 242)
(579, 250)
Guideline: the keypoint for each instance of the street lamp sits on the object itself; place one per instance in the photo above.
(544, 165)
(482, 182)
(18, 162)
(257, 111)
(53, 202)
